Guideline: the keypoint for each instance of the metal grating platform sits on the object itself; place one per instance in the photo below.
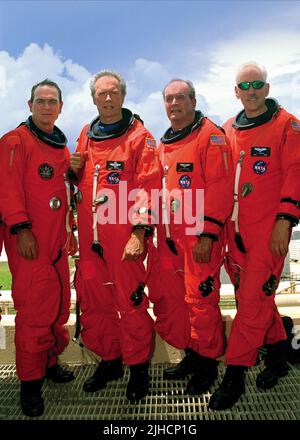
(166, 400)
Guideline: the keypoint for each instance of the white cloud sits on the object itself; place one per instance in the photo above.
(17, 76)
(151, 111)
(147, 73)
(214, 81)
(277, 50)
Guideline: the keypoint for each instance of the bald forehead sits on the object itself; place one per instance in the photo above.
(249, 73)
(177, 87)
(107, 81)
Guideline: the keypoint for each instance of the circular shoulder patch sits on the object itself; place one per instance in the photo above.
(260, 167)
(46, 171)
(113, 178)
(185, 181)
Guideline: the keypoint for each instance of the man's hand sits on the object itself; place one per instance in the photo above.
(73, 245)
(27, 244)
(77, 161)
(280, 238)
(202, 250)
(135, 245)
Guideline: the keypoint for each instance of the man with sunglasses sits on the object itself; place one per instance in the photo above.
(265, 142)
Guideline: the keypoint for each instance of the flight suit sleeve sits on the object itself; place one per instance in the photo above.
(147, 184)
(289, 204)
(13, 159)
(218, 175)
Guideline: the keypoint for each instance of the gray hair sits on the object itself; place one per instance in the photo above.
(108, 73)
(191, 88)
(254, 65)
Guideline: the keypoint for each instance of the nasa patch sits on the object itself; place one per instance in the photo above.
(260, 167)
(113, 178)
(46, 171)
(185, 181)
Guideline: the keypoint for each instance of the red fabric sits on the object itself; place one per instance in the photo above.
(212, 172)
(40, 289)
(185, 318)
(140, 171)
(1, 245)
(1, 237)
(166, 289)
(112, 325)
(257, 321)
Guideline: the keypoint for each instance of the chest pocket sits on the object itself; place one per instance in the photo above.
(218, 162)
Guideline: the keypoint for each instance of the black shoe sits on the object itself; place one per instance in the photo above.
(231, 388)
(106, 371)
(58, 374)
(31, 400)
(275, 366)
(188, 365)
(201, 381)
(138, 384)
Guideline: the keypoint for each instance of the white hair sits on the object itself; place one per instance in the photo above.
(262, 70)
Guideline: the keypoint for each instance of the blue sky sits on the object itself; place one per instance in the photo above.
(149, 42)
(122, 30)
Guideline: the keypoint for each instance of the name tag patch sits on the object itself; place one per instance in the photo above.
(261, 151)
(186, 167)
(114, 165)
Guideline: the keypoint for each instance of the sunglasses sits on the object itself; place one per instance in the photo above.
(245, 85)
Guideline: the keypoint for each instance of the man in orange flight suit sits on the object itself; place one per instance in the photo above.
(34, 199)
(265, 142)
(184, 283)
(115, 156)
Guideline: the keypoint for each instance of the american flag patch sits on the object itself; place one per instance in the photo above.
(217, 140)
(295, 125)
(151, 143)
